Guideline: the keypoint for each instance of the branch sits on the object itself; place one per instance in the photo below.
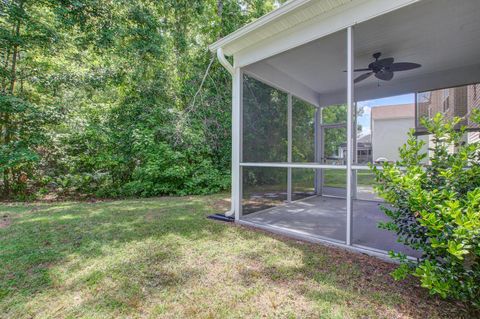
(192, 105)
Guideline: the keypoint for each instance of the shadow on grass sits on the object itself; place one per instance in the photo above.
(116, 250)
(337, 279)
(137, 257)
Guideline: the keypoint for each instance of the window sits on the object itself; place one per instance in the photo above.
(452, 102)
(446, 100)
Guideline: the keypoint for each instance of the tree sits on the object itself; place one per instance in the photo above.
(24, 30)
(126, 98)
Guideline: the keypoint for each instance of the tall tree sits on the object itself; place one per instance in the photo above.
(116, 98)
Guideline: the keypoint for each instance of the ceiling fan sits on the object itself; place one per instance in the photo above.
(384, 69)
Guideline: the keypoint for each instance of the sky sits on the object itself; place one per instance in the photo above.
(364, 119)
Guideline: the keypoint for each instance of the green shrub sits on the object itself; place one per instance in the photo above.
(163, 170)
(435, 209)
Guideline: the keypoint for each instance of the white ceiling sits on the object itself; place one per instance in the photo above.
(442, 35)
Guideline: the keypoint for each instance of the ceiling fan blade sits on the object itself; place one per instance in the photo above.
(403, 66)
(385, 62)
(385, 75)
(362, 77)
(359, 70)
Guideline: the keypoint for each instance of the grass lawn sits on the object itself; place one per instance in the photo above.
(162, 258)
(338, 178)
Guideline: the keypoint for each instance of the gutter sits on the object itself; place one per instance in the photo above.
(224, 62)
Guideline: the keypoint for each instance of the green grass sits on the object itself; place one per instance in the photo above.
(338, 178)
(162, 258)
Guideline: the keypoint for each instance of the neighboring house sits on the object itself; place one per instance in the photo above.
(363, 149)
(452, 102)
(390, 125)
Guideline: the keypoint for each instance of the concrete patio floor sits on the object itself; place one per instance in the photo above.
(325, 217)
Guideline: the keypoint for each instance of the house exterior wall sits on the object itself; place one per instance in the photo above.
(473, 137)
(473, 102)
(458, 101)
(388, 135)
(451, 102)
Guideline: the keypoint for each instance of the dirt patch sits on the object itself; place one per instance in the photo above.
(221, 204)
(150, 216)
(5, 221)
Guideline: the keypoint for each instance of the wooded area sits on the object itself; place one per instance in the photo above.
(114, 98)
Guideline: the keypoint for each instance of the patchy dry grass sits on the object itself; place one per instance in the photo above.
(162, 258)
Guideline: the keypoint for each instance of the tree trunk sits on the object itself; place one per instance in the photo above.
(13, 70)
(5, 66)
(3, 126)
(11, 90)
(220, 15)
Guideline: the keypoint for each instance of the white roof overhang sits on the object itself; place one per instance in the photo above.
(297, 22)
(289, 14)
(306, 56)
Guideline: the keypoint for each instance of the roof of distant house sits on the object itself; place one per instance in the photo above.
(367, 138)
(389, 112)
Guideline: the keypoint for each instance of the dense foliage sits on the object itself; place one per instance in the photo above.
(435, 198)
(115, 98)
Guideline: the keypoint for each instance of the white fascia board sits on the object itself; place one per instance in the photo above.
(272, 76)
(427, 82)
(330, 22)
(267, 18)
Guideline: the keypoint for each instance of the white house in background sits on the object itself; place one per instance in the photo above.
(390, 125)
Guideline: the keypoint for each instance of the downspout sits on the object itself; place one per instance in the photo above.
(224, 62)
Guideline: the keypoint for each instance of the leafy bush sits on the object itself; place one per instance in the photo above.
(162, 170)
(435, 209)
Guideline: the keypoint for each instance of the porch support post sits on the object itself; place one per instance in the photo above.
(350, 105)
(319, 150)
(355, 151)
(289, 151)
(237, 142)
(316, 146)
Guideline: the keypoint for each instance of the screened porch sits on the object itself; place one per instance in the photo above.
(299, 173)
